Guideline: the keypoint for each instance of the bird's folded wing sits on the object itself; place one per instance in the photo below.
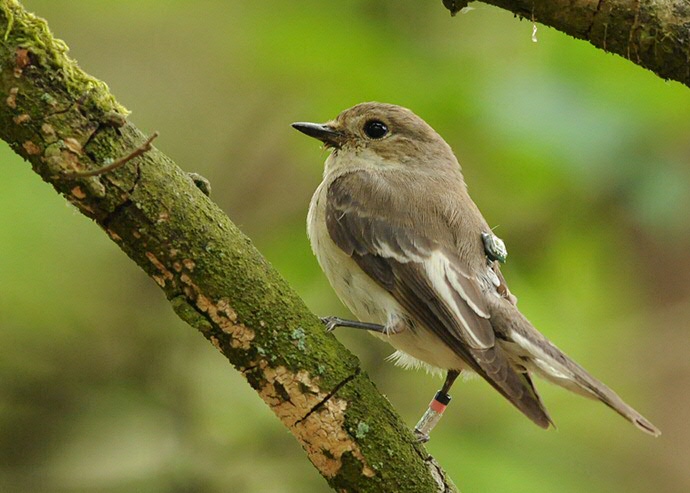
(420, 273)
(425, 277)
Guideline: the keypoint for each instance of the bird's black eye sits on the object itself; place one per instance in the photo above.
(375, 129)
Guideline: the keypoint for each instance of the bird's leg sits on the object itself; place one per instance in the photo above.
(450, 380)
(436, 407)
(333, 322)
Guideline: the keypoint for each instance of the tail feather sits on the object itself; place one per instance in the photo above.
(515, 386)
(538, 354)
(611, 399)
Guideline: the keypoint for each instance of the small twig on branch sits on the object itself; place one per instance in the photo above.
(143, 148)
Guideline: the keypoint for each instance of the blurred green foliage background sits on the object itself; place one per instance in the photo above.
(579, 157)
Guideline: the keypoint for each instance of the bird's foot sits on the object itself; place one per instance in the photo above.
(332, 322)
(421, 436)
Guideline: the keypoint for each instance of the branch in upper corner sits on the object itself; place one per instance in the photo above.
(649, 33)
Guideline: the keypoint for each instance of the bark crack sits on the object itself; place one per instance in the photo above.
(596, 13)
(119, 209)
(633, 30)
(127, 202)
(442, 480)
(328, 396)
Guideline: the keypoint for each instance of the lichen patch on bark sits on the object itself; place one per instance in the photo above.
(11, 100)
(226, 318)
(48, 132)
(322, 432)
(22, 58)
(21, 119)
(113, 235)
(221, 313)
(78, 193)
(165, 274)
(216, 343)
(31, 148)
(73, 145)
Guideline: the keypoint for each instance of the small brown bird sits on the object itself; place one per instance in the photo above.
(408, 252)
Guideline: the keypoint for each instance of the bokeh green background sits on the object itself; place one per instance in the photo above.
(580, 158)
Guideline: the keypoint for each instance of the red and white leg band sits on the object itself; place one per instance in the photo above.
(432, 415)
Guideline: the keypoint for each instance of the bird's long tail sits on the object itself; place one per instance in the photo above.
(545, 359)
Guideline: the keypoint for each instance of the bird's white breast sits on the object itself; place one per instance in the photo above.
(365, 299)
(368, 301)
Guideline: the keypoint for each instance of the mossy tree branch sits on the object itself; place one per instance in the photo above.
(62, 120)
(654, 34)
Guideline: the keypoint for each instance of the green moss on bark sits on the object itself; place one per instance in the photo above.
(25, 30)
(61, 120)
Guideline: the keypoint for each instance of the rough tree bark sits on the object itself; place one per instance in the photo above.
(62, 120)
(654, 34)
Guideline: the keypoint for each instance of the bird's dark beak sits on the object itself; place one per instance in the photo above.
(322, 131)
